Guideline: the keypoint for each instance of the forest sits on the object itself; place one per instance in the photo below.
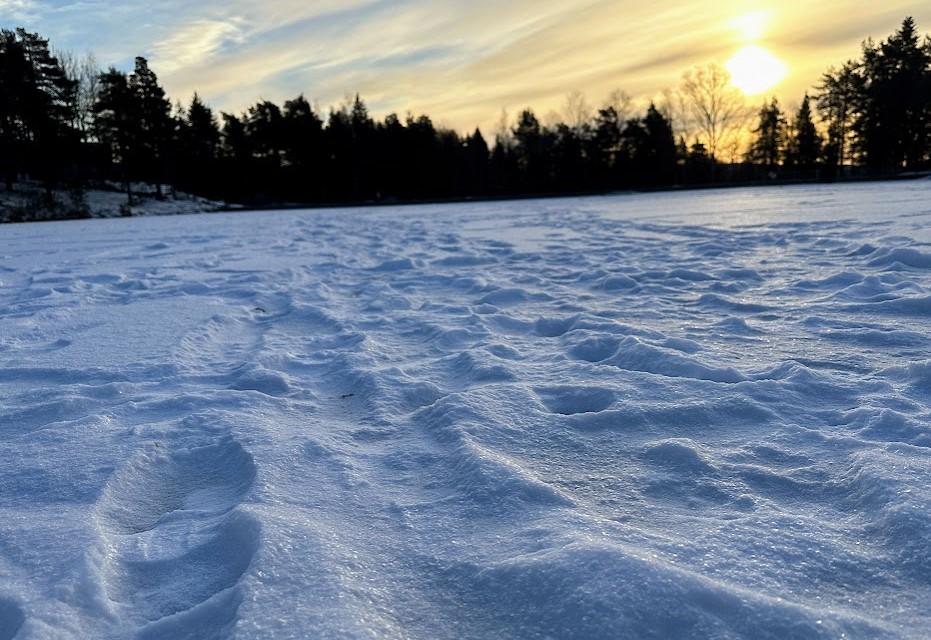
(65, 124)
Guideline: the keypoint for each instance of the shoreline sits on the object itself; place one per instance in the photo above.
(361, 204)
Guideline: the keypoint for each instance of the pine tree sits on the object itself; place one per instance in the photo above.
(423, 151)
(803, 150)
(770, 137)
(605, 144)
(504, 173)
(155, 123)
(302, 141)
(199, 146)
(236, 157)
(476, 164)
(203, 131)
(234, 142)
(699, 165)
(895, 110)
(394, 158)
(658, 155)
(265, 129)
(362, 150)
(632, 149)
(14, 87)
(530, 152)
(117, 124)
(566, 148)
(38, 102)
(839, 100)
(338, 181)
(448, 159)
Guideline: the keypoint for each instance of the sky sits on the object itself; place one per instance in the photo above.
(462, 61)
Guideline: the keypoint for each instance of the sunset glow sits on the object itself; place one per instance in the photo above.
(750, 27)
(462, 62)
(755, 70)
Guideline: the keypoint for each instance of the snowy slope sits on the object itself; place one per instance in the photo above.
(29, 202)
(685, 415)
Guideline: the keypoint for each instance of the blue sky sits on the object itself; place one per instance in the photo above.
(461, 61)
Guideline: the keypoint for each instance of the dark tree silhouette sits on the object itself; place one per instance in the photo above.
(475, 164)
(604, 147)
(895, 103)
(530, 152)
(38, 106)
(838, 101)
(698, 165)
(361, 151)
(658, 157)
(569, 162)
(117, 125)
(769, 141)
(197, 148)
(302, 142)
(803, 148)
(154, 124)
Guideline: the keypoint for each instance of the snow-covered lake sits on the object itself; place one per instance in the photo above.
(683, 415)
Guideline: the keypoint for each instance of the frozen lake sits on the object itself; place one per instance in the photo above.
(679, 415)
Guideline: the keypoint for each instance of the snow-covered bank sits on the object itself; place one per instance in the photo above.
(30, 202)
(680, 415)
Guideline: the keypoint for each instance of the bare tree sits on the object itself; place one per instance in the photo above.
(621, 102)
(86, 72)
(713, 110)
(671, 105)
(503, 135)
(577, 112)
(552, 119)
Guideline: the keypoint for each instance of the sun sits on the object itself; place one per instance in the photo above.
(754, 70)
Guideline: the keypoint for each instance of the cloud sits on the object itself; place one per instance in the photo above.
(195, 44)
(20, 10)
(462, 62)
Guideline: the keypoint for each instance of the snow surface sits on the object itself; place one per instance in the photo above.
(684, 415)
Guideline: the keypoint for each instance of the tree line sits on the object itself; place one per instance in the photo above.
(875, 113)
(65, 123)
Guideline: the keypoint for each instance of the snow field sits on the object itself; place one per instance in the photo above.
(681, 415)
